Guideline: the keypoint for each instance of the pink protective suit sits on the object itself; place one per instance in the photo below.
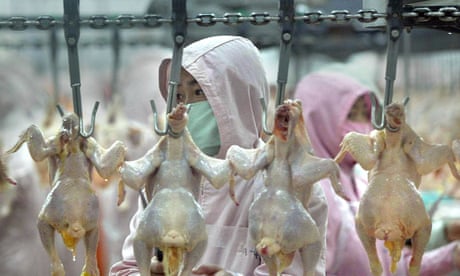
(327, 98)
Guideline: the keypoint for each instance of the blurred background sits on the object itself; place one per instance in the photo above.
(118, 68)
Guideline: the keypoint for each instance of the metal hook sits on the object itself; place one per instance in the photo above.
(72, 34)
(394, 32)
(286, 15)
(54, 67)
(113, 96)
(60, 110)
(116, 62)
(179, 30)
(54, 76)
(406, 101)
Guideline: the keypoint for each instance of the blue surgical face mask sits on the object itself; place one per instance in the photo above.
(202, 125)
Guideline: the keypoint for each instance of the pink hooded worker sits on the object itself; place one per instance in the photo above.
(229, 72)
(327, 100)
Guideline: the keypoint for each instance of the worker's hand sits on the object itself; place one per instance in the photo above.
(156, 267)
(212, 270)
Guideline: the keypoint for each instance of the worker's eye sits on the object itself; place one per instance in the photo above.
(180, 98)
(199, 92)
(352, 114)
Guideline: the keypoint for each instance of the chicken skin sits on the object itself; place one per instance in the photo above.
(392, 209)
(71, 207)
(173, 220)
(279, 222)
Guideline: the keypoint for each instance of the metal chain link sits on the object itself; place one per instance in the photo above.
(128, 21)
(424, 14)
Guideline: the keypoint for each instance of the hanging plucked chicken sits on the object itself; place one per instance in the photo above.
(71, 207)
(173, 221)
(392, 209)
(279, 221)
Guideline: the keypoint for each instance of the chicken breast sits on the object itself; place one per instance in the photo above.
(173, 220)
(279, 222)
(391, 209)
(71, 207)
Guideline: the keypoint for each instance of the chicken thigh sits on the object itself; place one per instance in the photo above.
(279, 222)
(392, 209)
(71, 207)
(173, 220)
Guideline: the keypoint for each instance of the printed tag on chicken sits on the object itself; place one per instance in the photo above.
(279, 222)
(173, 220)
(71, 207)
(392, 209)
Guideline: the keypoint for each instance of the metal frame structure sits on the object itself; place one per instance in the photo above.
(399, 16)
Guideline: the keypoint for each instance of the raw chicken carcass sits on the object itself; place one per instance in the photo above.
(71, 207)
(391, 209)
(279, 222)
(173, 220)
(23, 101)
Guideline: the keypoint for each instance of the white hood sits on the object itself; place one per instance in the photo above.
(232, 82)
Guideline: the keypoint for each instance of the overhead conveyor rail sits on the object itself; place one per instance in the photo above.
(310, 28)
(413, 16)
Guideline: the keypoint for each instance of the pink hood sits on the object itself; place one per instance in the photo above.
(318, 95)
(232, 83)
(326, 104)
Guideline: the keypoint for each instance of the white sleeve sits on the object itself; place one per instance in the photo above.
(128, 266)
(318, 208)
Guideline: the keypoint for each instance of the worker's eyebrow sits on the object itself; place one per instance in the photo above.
(192, 82)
